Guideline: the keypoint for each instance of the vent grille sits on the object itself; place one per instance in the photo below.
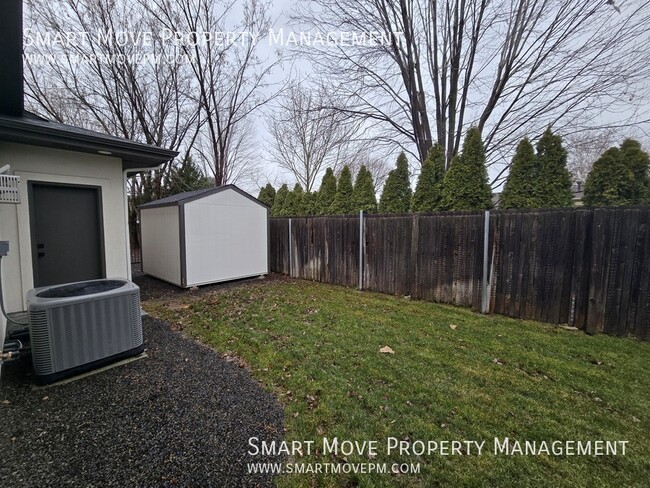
(40, 341)
(9, 189)
(136, 319)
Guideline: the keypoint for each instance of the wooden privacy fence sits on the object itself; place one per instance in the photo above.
(589, 268)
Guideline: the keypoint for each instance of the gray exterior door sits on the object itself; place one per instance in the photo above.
(67, 233)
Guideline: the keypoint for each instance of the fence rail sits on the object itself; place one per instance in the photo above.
(589, 268)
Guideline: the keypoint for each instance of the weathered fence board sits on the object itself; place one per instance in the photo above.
(279, 246)
(322, 249)
(586, 267)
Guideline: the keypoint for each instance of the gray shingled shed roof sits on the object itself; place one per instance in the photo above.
(189, 196)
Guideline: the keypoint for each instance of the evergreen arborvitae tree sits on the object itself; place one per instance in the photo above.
(289, 207)
(185, 177)
(554, 181)
(428, 190)
(520, 188)
(363, 194)
(310, 203)
(638, 162)
(326, 193)
(300, 208)
(610, 182)
(278, 203)
(342, 204)
(267, 195)
(465, 185)
(396, 197)
(293, 204)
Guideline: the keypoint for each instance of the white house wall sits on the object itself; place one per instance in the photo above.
(3, 274)
(226, 237)
(34, 163)
(159, 231)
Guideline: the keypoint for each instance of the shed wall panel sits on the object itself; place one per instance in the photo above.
(161, 253)
(226, 237)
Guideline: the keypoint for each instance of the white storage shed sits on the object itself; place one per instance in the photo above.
(205, 236)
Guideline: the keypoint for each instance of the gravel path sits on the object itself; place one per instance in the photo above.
(181, 417)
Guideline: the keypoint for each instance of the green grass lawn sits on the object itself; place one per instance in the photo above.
(317, 347)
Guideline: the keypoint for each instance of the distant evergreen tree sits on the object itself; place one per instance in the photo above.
(299, 201)
(363, 194)
(553, 187)
(396, 196)
(342, 204)
(520, 188)
(310, 203)
(428, 190)
(267, 195)
(293, 203)
(465, 185)
(326, 193)
(638, 162)
(610, 182)
(278, 203)
(289, 207)
(186, 177)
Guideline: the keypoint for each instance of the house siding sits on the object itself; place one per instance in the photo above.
(41, 164)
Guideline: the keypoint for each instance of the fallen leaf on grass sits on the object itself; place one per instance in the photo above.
(312, 402)
(452, 326)
(386, 350)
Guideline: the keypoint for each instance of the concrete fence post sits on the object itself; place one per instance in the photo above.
(290, 260)
(360, 249)
(485, 297)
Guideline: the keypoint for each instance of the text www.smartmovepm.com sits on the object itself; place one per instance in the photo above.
(334, 468)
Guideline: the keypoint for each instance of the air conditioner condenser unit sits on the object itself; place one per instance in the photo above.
(80, 326)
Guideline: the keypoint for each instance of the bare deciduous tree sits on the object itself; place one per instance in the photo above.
(584, 148)
(81, 70)
(101, 82)
(169, 89)
(510, 67)
(230, 79)
(309, 136)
